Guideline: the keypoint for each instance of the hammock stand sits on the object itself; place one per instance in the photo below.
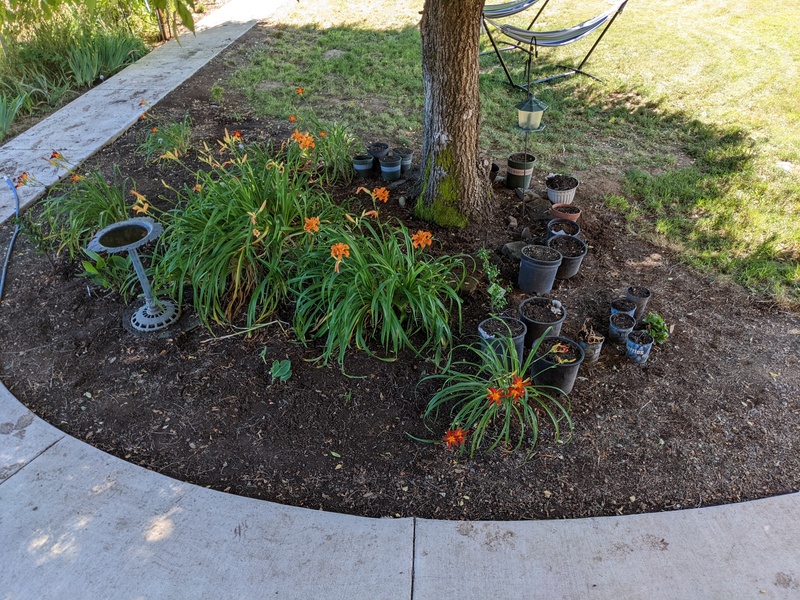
(529, 41)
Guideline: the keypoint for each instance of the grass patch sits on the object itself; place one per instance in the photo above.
(696, 119)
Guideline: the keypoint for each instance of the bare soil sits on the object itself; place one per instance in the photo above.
(712, 418)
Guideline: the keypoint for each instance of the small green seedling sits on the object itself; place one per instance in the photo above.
(497, 293)
(281, 370)
(657, 327)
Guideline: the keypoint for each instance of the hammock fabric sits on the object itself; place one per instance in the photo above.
(501, 11)
(533, 39)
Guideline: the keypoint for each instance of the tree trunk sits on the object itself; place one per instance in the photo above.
(163, 25)
(454, 188)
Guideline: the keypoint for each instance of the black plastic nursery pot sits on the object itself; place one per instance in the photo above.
(537, 269)
(377, 150)
(362, 163)
(619, 326)
(542, 316)
(519, 170)
(562, 227)
(495, 331)
(557, 362)
(390, 167)
(640, 296)
(572, 250)
(405, 154)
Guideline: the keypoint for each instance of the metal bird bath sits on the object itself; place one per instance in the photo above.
(127, 236)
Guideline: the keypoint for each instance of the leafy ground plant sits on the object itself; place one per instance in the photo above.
(84, 204)
(170, 137)
(657, 327)
(492, 403)
(234, 235)
(496, 291)
(363, 282)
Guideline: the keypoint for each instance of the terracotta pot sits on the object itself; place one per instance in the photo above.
(565, 211)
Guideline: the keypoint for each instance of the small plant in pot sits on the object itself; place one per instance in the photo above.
(492, 403)
(556, 363)
(590, 341)
(560, 188)
(657, 327)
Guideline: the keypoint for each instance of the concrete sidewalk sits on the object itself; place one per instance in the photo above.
(78, 523)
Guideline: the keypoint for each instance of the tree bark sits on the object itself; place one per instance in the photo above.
(454, 190)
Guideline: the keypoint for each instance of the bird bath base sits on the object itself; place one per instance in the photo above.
(155, 317)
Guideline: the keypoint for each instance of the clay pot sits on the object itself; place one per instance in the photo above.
(565, 211)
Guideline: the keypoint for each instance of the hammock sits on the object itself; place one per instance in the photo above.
(500, 11)
(533, 39)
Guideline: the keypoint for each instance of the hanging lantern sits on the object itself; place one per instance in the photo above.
(529, 114)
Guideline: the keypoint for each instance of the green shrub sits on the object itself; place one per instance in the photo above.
(365, 284)
(174, 137)
(234, 234)
(82, 206)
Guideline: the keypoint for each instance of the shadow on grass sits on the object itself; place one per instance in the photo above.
(688, 180)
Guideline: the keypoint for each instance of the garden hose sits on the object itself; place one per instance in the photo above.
(13, 237)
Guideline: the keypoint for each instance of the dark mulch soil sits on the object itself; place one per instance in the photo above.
(714, 417)
(541, 310)
(561, 183)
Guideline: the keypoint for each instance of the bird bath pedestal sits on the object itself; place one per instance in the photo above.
(127, 236)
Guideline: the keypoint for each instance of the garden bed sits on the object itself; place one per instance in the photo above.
(713, 417)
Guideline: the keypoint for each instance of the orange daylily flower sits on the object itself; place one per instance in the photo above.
(421, 239)
(197, 188)
(139, 197)
(339, 251)
(455, 437)
(381, 194)
(305, 141)
(292, 118)
(154, 130)
(56, 155)
(322, 134)
(143, 116)
(75, 178)
(495, 396)
(237, 135)
(311, 225)
(517, 388)
(300, 91)
(141, 209)
(22, 180)
(143, 102)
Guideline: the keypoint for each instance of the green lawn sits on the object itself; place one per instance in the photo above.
(696, 115)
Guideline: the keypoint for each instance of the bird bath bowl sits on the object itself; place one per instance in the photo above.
(127, 236)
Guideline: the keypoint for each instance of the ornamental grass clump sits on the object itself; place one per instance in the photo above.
(82, 205)
(235, 235)
(370, 284)
(492, 402)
